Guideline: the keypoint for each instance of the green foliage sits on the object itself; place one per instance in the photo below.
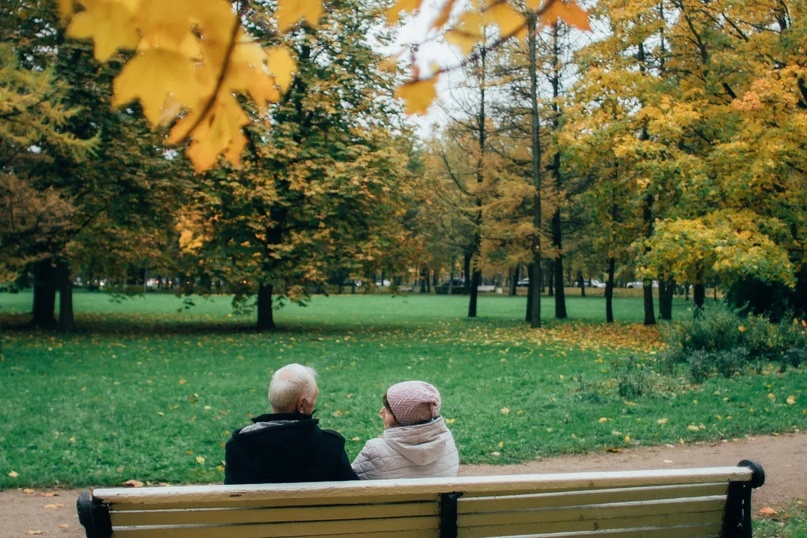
(723, 340)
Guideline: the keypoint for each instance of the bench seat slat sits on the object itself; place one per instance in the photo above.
(596, 512)
(546, 500)
(669, 521)
(336, 513)
(368, 528)
(256, 502)
(695, 531)
(470, 485)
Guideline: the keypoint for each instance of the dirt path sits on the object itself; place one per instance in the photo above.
(784, 458)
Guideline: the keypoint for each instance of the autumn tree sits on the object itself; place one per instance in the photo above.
(322, 189)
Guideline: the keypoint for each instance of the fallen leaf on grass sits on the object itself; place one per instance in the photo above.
(13, 474)
(767, 511)
(613, 449)
(28, 491)
(504, 410)
(133, 483)
(791, 400)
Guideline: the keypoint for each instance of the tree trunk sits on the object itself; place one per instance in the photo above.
(536, 280)
(699, 295)
(528, 313)
(649, 314)
(266, 320)
(609, 291)
(476, 280)
(44, 296)
(557, 263)
(67, 321)
(665, 299)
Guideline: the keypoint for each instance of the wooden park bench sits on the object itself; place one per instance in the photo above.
(676, 503)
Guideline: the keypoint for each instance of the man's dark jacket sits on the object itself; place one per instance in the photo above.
(291, 448)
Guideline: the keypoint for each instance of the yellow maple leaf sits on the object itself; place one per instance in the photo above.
(289, 12)
(401, 6)
(150, 76)
(200, 460)
(569, 12)
(13, 474)
(417, 95)
(466, 33)
(218, 132)
(574, 15)
(109, 24)
(505, 17)
(791, 400)
(282, 65)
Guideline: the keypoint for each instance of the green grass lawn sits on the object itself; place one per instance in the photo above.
(144, 391)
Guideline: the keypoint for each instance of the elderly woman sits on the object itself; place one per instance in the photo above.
(416, 442)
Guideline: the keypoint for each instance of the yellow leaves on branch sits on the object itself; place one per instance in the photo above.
(466, 30)
(192, 58)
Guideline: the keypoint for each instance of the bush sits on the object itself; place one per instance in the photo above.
(632, 377)
(722, 340)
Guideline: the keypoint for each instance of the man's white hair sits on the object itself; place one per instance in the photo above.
(289, 384)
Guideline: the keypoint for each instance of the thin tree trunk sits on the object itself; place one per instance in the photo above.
(67, 321)
(536, 266)
(609, 291)
(266, 320)
(665, 299)
(557, 263)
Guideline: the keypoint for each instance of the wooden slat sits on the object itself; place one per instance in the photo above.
(595, 512)
(471, 485)
(697, 531)
(335, 513)
(184, 503)
(399, 527)
(576, 498)
(671, 521)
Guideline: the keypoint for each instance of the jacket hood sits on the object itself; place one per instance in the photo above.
(421, 444)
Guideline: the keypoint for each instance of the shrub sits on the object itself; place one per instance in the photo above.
(725, 341)
(633, 378)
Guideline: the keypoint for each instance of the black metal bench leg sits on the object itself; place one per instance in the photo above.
(93, 516)
(737, 517)
(448, 515)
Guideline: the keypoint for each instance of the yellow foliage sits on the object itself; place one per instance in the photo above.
(192, 57)
(417, 95)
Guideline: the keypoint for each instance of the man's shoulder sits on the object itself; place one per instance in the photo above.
(333, 435)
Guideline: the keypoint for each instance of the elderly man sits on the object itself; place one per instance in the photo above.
(287, 445)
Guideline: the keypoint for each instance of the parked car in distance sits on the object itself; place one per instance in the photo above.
(381, 283)
(593, 283)
(453, 282)
(635, 284)
(523, 283)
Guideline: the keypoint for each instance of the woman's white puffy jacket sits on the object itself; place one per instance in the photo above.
(419, 451)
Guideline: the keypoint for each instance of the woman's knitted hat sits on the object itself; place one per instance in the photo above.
(413, 402)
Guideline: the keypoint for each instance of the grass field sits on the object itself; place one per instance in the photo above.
(146, 390)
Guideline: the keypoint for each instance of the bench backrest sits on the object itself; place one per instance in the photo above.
(679, 503)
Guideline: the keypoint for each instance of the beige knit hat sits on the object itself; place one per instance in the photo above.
(413, 402)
